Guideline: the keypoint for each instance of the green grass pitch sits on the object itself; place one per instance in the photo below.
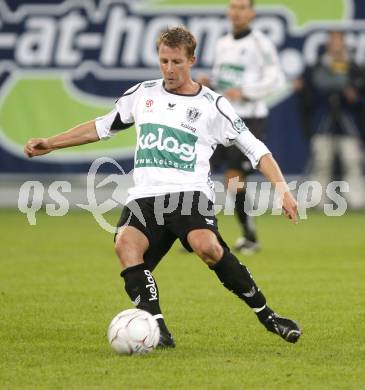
(60, 287)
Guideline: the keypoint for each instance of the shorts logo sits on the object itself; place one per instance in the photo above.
(192, 114)
(239, 125)
(209, 221)
(165, 147)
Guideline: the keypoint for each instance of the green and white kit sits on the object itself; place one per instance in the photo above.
(249, 63)
(176, 136)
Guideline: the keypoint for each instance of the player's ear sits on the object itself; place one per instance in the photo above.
(192, 60)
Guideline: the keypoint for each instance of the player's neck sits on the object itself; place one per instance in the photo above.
(241, 32)
(189, 88)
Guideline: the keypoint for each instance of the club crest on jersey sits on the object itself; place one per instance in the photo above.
(192, 114)
(239, 125)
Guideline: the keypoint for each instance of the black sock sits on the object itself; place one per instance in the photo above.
(236, 278)
(142, 289)
(247, 222)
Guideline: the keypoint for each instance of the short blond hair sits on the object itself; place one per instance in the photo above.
(178, 37)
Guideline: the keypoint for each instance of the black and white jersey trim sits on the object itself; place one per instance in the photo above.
(130, 92)
(118, 124)
(227, 117)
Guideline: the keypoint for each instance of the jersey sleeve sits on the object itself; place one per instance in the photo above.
(228, 125)
(231, 130)
(252, 147)
(271, 74)
(120, 118)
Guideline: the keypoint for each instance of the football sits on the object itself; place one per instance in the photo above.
(133, 331)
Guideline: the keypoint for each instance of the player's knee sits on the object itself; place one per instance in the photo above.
(210, 252)
(119, 248)
(125, 249)
(206, 245)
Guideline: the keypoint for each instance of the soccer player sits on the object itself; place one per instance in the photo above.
(178, 124)
(246, 70)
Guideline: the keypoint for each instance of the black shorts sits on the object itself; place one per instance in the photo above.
(163, 219)
(232, 157)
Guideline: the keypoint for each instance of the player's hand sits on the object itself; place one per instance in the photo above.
(233, 94)
(37, 147)
(290, 206)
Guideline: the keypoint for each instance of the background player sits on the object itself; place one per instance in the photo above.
(246, 70)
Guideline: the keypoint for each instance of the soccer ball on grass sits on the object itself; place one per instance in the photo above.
(133, 331)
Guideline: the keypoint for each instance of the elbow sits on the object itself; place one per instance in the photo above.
(264, 160)
(92, 135)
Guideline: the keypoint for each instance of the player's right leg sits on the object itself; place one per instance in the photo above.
(135, 250)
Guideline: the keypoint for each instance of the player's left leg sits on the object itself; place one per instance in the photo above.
(237, 279)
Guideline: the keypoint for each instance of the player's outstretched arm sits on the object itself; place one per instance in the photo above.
(270, 169)
(81, 134)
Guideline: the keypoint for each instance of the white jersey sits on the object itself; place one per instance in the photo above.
(250, 63)
(176, 136)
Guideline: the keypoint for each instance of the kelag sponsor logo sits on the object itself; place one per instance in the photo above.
(165, 147)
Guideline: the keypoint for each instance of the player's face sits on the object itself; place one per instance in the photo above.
(175, 67)
(240, 13)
